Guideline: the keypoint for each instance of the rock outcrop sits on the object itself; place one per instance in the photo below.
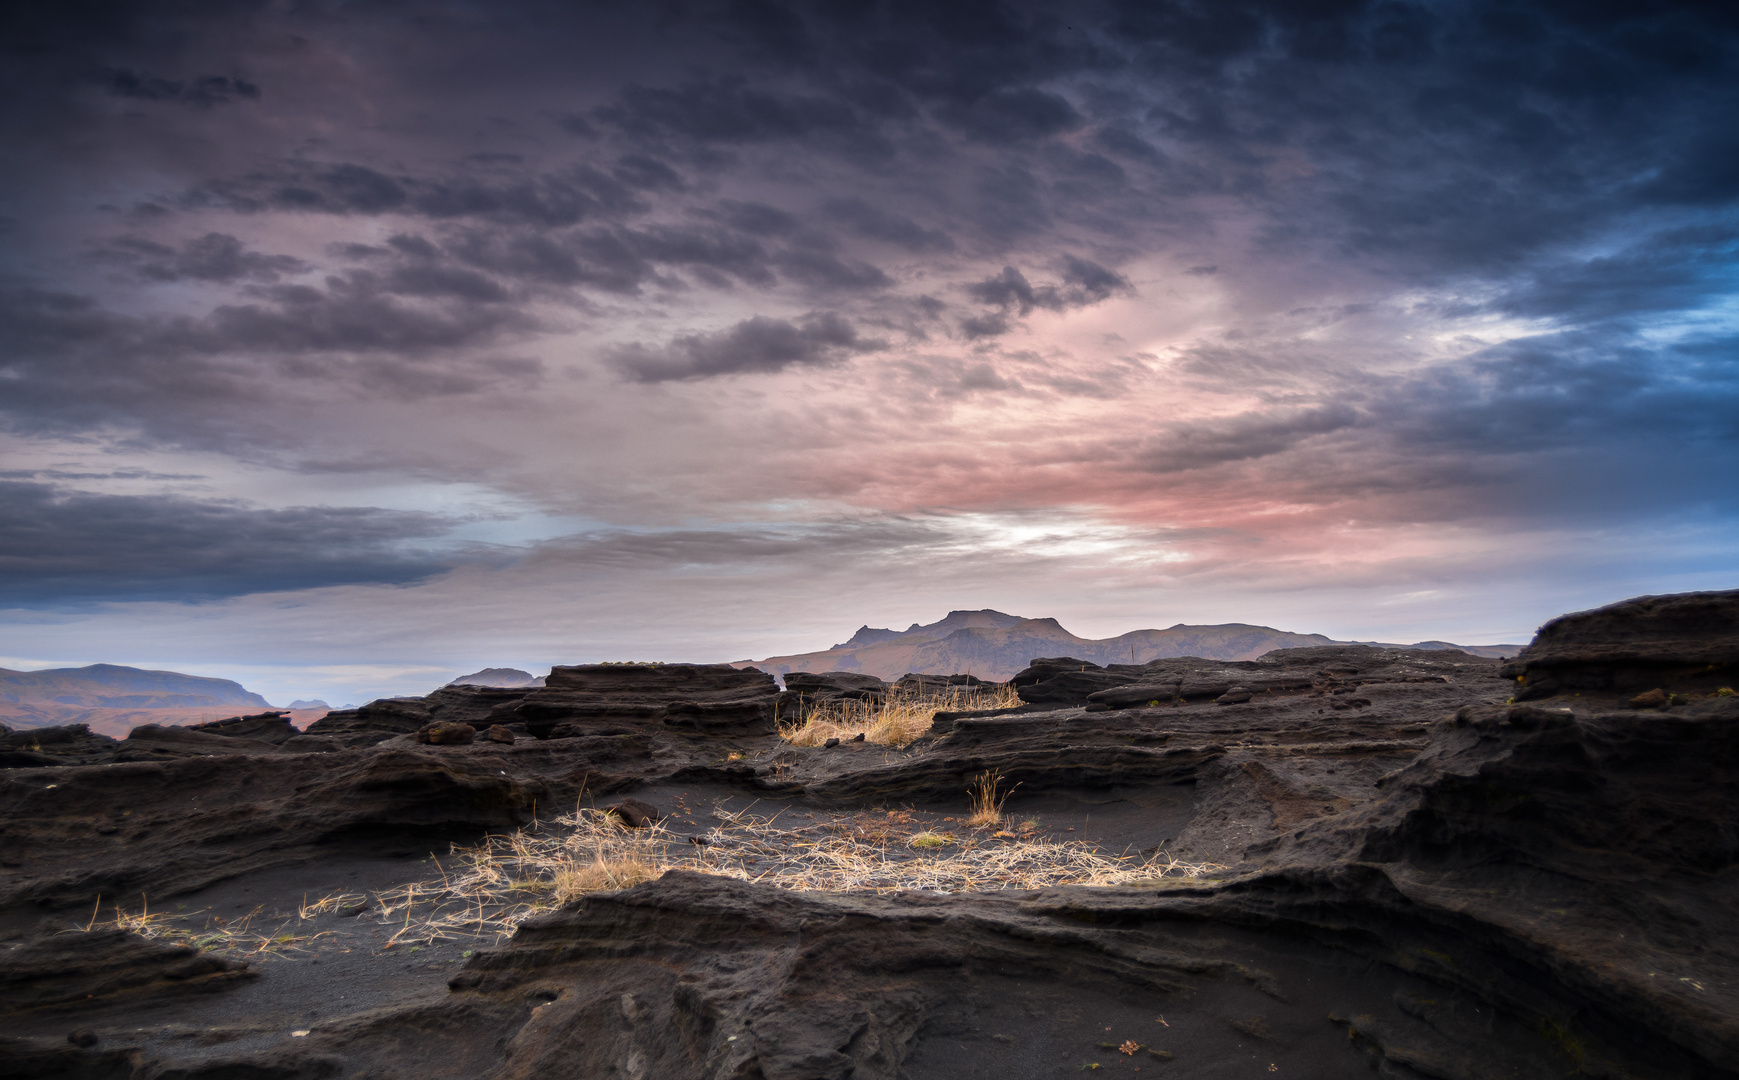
(1403, 871)
(60, 967)
(1687, 642)
(610, 698)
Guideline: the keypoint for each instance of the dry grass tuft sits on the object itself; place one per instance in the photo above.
(895, 720)
(985, 801)
(485, 891)
(602, 874)
(498, 884)
(232, 937)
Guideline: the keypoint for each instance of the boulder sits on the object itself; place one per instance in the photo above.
(498, 734)
(704, 698)
(815, 686)
(446, 733)
(1049, 668)
(174, 739)
(467, 704)
(377, 721)
(1070, 687)
(272, 727)
(805, 690)
(65, 744)
(921, 687)
(1688, 642)
(634, 813)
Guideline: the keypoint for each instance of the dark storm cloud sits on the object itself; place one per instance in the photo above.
(823, 270)
(1083, 284)
(1675, 270)
(59, 547)
(505, 193)
(215, 257)
(759, 219)
(754, 346)
(1569, 163)
(618, 260)
(1581, 389)
(865, 220)
(1015, 115)
(731, 111)
(204, 90)
(1250, 435)
(72, 363)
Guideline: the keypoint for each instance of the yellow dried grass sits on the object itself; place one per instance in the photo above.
(896, 720)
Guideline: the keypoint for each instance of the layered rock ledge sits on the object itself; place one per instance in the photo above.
(1429, 864)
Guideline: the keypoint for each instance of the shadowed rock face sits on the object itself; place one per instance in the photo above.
(1689, 641)
(1422, 877)
(710, 698)
(56, 969)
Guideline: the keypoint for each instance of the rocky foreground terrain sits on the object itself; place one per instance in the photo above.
(1342, 861)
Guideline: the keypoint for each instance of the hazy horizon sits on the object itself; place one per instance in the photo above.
(348, 347)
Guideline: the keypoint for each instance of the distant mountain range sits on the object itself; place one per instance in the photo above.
(994, 645)
(113, 699)
(498, 676)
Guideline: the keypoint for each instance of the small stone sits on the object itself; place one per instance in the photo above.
(634, 813)
(857, 738)
(1651, 699)
(446, 734)
(830, 744)
(86, 1039)
(498, 734)
(1237, 695)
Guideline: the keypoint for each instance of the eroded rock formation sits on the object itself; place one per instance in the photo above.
(1417, 873)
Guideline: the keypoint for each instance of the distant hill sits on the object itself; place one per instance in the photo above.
(498, 676)
(113, 699)
(995, 645)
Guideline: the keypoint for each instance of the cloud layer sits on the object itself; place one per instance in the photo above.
(1315, 296)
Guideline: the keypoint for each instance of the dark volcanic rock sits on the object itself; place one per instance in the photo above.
(1687, 641)
(916, 685)
(476, 706)
(1049, 668)
(805, 690)
(446, 733)
(834, 685)
(1070, 687)
(705, 977)
(464, 704)
(634, 813)
(95, 967)
(69, 744)
(375, 722)
(1406, 874)
(1569, 863)
(272, 727)
(153, 742)
(179, 824)
(703, 698)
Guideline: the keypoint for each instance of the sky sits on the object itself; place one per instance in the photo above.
(345, 348)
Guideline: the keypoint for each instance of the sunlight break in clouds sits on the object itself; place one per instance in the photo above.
(338, 339)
